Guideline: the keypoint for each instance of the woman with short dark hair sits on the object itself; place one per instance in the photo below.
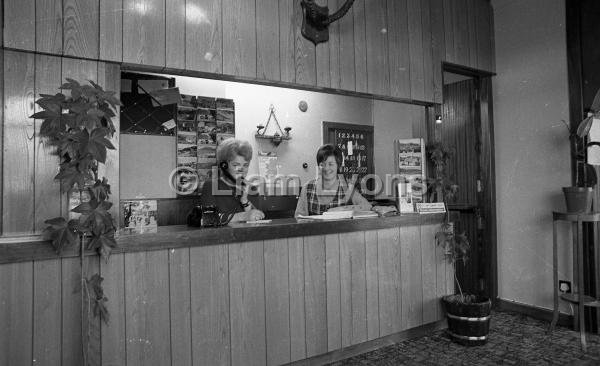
(229, 191)
(328, 192)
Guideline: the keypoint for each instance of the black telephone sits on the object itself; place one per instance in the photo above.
(208, 216)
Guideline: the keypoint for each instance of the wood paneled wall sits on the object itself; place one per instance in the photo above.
(30, 194)
(263, 302)
(385, 47)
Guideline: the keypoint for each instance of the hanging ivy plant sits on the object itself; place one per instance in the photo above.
(80, 127)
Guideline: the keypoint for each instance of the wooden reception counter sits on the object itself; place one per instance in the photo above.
(240, 295)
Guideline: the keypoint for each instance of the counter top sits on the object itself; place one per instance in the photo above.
(179, 236)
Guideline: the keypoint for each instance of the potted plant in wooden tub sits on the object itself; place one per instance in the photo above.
(468, 315)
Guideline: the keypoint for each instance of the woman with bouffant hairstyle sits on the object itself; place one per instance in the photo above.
(328, 192)
(229, 191)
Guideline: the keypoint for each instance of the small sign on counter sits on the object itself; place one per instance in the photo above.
(435, 207)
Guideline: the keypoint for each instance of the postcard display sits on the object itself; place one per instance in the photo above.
(410, 160)
(202, 124)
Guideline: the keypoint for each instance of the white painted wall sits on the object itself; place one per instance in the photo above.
(531, 145)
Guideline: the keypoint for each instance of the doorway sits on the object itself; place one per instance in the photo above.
(466, 128)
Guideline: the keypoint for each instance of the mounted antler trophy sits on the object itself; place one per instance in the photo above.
(315, 24)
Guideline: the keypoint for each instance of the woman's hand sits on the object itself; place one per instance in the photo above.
(254, 215)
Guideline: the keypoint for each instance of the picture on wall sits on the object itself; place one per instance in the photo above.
(140, 216)
(184, 137)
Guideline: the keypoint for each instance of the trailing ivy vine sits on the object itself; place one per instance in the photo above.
(79, 126)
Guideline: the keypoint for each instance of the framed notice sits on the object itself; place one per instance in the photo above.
(356, 144)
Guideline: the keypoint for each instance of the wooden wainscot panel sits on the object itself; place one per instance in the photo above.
(377, 48)
(437, 47)
(297, 308)
(415, 35)
(180, 307)
(147, 308)
(144, 32)
(471, 9)
(322, 63)
(360, 45)
(16, 313)
(247, 303)
(334, 305)
(346, 65)
(277, 301)
(267, 40)
(449, 20)
(175, 30)
(398, 48)
(111, 30)
(71, 313)
(461, 32)
(412, 283)
(296, 291)
(46, 310)
(19, 24)
(239, 38)
(287, 41)
(353, 288)
(334, 48)
(304, 51)
(114, 342)
(390, 281)
(440, 281)
(47, 189)
(429, 273)
(49, 26)
(372, 284)
(428, 69)
(18, 144)
(204, 36)
(210, 305)
(81, 28)
(315, 288)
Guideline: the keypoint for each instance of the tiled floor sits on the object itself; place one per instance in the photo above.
(514, 340)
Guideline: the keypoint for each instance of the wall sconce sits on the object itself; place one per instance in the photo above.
(438, 119)
(279, 135)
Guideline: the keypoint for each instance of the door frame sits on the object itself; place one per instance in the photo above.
(487, 196)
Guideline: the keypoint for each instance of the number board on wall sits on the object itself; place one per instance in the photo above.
(356, 144)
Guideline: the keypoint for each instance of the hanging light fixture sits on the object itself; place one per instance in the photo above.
(438, 119)
(279, 135)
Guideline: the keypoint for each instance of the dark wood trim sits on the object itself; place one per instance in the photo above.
(280, 84)
(179, 236)
(488, 176)
(564, 320)
(574, 71)
(372, 345)
(465, 70)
